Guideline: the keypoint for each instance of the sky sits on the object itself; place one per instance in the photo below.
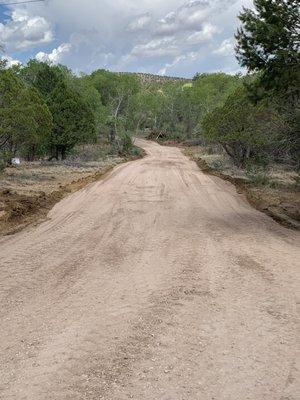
(167, 37)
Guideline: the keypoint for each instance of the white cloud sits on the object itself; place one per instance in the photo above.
(189, 57)
(56, 55)
(226, 48)
(187, 17)
(127, 35)
(24, 31)
(140, 23)
(206, 34)
(163, 71)
(156, 48)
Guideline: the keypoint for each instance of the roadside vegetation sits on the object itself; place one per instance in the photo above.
(46, 111)
(251, 122)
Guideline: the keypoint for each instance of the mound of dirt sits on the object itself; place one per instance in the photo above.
(28, 193)
(20, 210)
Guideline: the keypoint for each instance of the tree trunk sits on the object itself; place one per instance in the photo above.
(63, 152)
(31, 153)
(237, 152)
(112, 134)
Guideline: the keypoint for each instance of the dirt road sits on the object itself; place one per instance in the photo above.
(157, 283)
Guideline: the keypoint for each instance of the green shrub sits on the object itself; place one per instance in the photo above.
(257, 174)
(2, 164)
(217, 164)
(4, 158)
(125, 143)
(136, 151)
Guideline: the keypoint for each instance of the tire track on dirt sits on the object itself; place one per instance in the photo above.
(156, 283)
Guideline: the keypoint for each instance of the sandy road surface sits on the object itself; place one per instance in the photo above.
(157, 283)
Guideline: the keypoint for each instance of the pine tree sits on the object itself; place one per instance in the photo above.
(269, 41)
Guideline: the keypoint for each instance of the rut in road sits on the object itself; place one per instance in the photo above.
(157, 283)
